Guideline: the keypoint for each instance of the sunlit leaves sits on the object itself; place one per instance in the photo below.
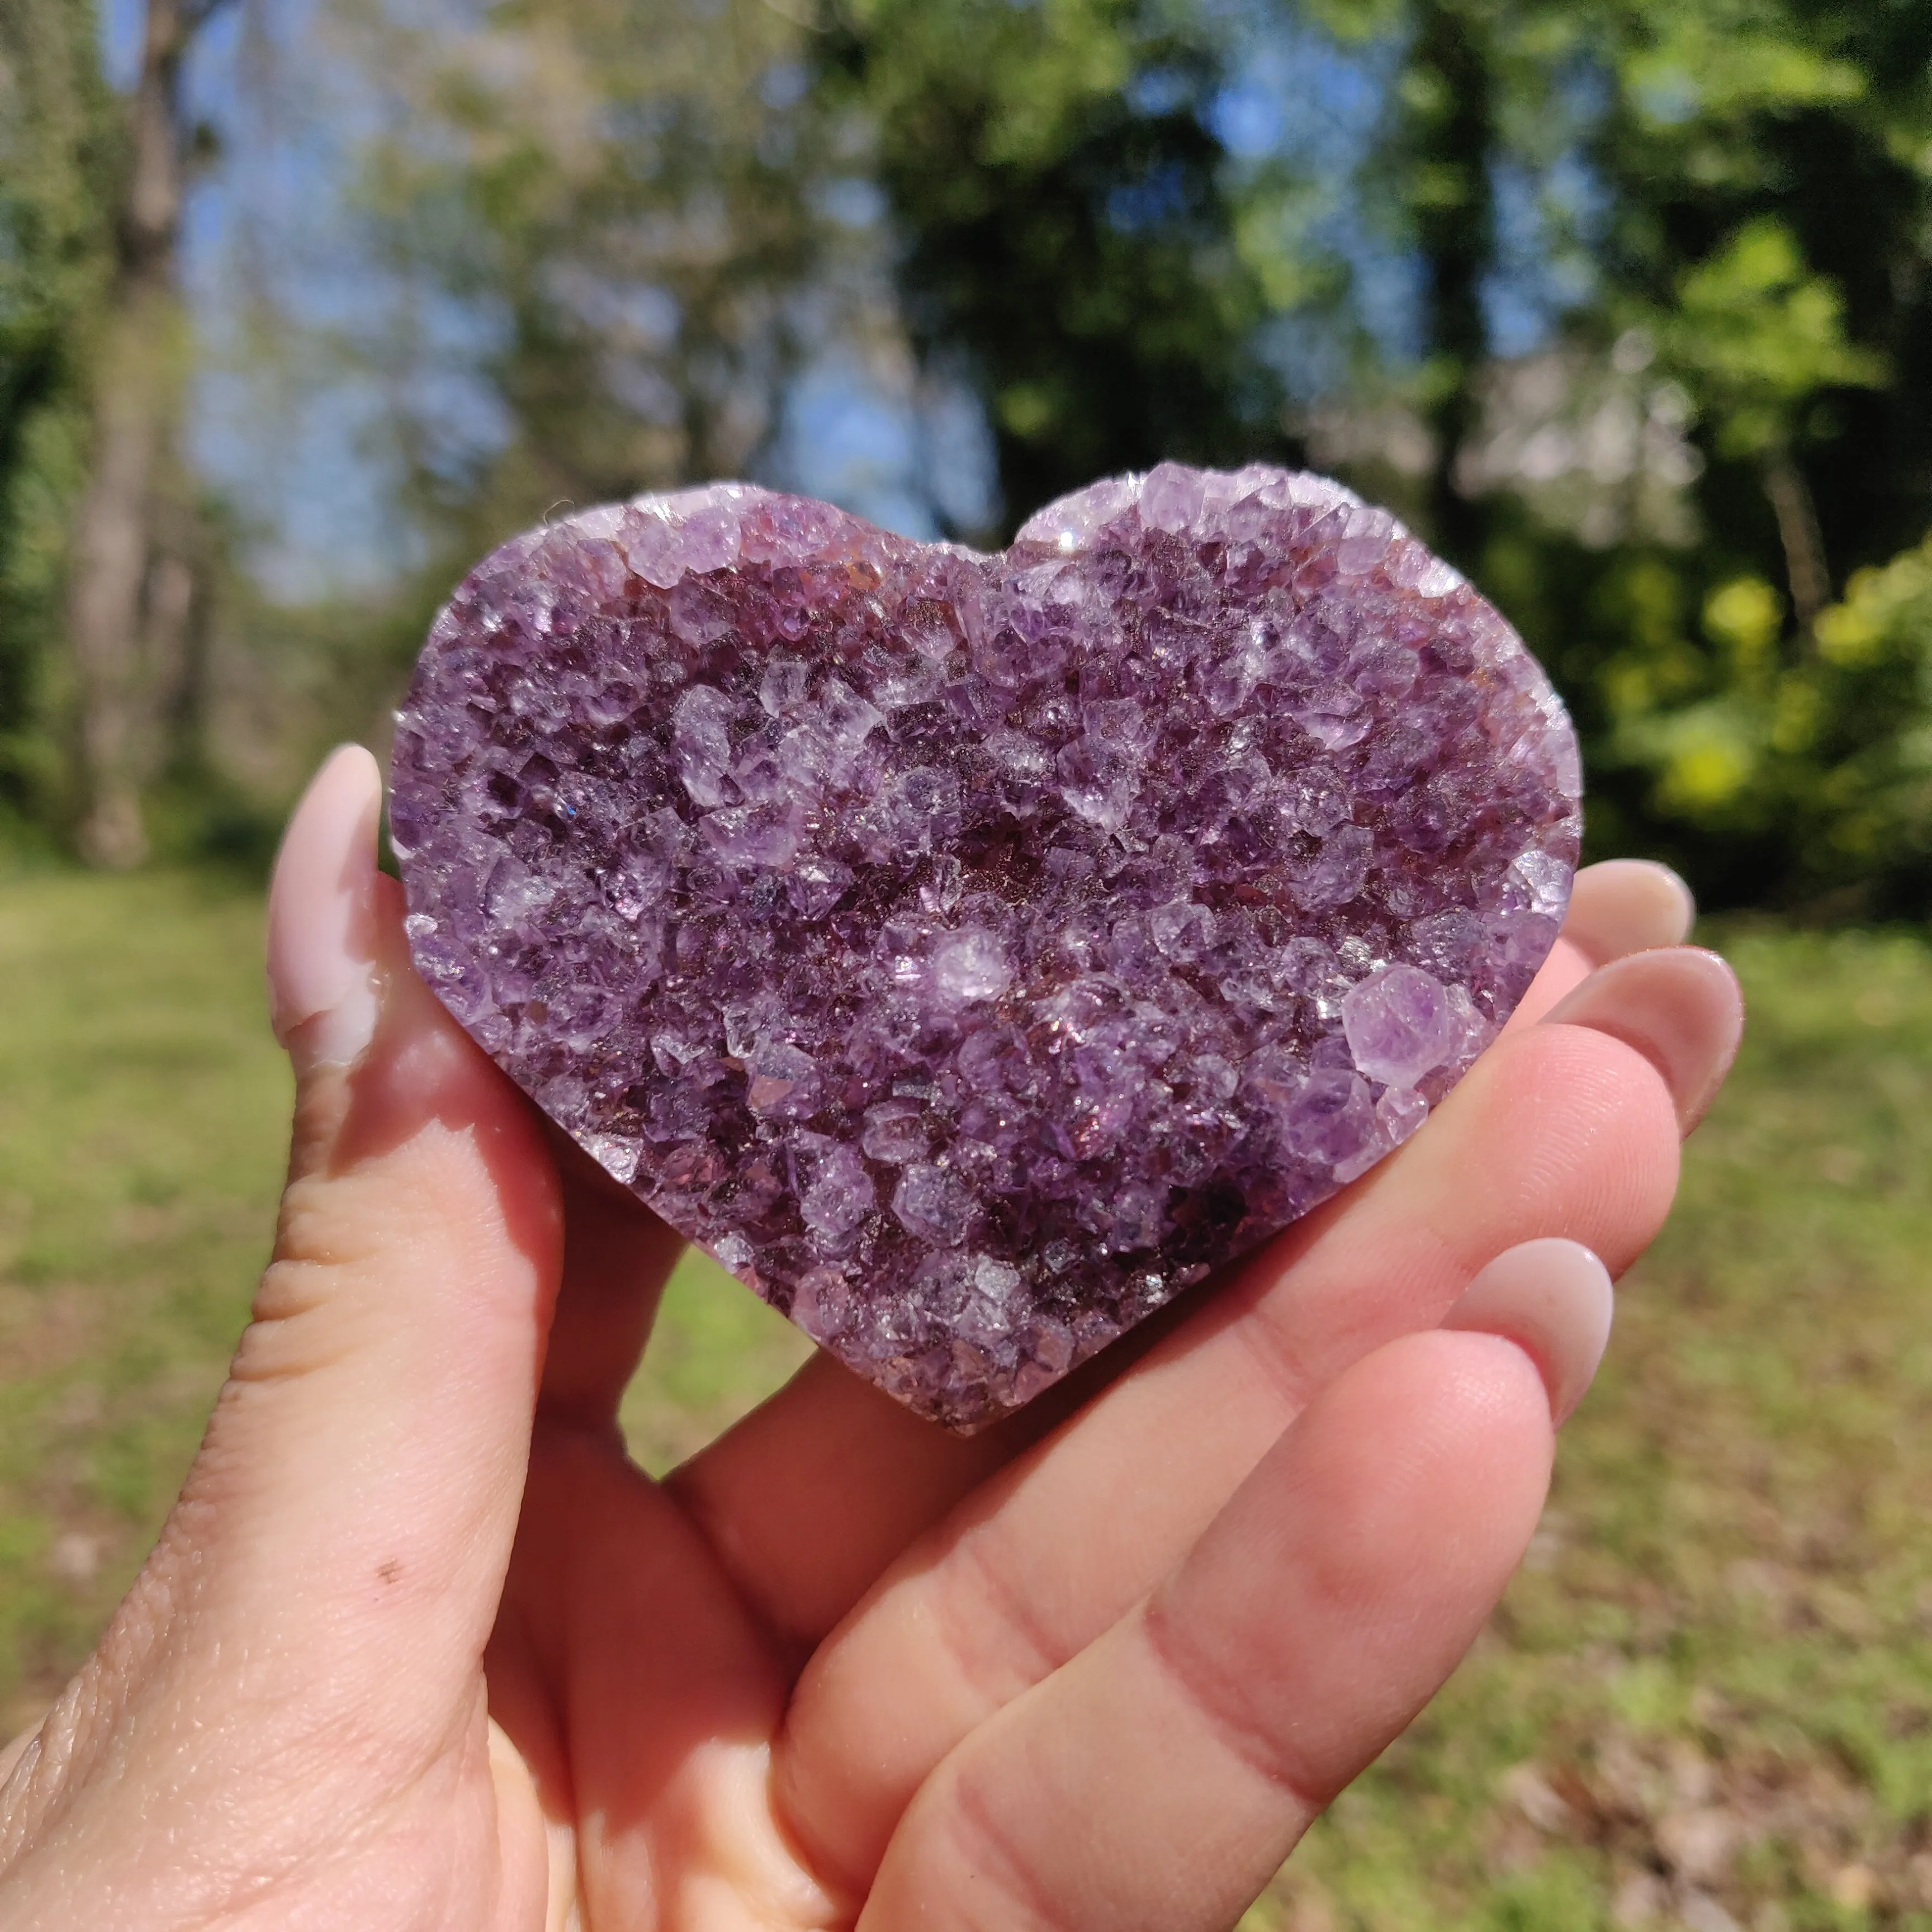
(1756, 335)
(1745, 616)
(1887, 608)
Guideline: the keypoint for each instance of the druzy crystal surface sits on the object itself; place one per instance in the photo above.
(972, 952)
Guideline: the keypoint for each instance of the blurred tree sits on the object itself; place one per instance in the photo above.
(100, 543)
(605, 208)
(1066, 237)
(59, 160)
(601, 236)
(131, 569)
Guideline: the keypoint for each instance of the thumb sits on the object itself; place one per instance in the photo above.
(305, 1642)
(363, 1471)
(339, 1549)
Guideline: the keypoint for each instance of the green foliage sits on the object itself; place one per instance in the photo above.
(1771, 168)
(1067, 243)
(1756, 337)
(1761, 260)
(59, 160)
(1731, 218)
(600, 239)
(1768, 762)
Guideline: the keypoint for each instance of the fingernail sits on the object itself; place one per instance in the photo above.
(1680, 1007)
(1627, 905)
(1552, 1298)
(323, 990)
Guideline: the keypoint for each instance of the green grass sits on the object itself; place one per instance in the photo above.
(1707, 1701)
(143, 1122)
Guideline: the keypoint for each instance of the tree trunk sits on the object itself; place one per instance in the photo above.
(137, 413)
(1455, 222)
(1806, 571)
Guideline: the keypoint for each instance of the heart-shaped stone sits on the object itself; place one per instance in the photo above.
(972, 952)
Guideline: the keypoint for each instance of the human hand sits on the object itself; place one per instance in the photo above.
(419, 1647)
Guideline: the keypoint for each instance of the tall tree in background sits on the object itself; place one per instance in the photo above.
(59, 165)
(1065, 238)
(131, 572)
(1447, 90)
(609, 205)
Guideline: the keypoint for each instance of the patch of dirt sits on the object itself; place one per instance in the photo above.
(1700, 1838)
(43, 1329)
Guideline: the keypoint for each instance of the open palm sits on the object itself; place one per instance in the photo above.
(420, 1648)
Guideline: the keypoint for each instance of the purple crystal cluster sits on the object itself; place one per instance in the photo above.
(971, 952)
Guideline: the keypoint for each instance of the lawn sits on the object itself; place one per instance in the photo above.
(1707, 1701)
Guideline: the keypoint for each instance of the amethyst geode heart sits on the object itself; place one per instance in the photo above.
(972, 952)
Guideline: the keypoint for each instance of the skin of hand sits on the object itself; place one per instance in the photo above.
(419, 1648)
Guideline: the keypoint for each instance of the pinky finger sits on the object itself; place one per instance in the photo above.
(1159, 1779)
